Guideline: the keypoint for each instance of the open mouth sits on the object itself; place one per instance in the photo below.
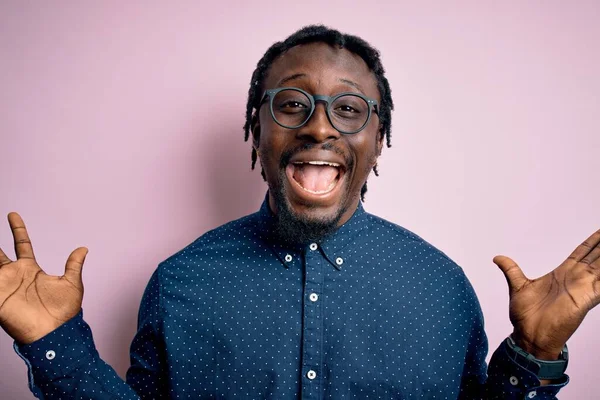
(315, 177)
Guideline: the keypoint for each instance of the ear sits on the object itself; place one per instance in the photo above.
(380, 139)
(255, 129)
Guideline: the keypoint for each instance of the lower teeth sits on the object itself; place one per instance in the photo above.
(329, 189)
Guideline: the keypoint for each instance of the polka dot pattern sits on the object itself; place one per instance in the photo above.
(372, 312)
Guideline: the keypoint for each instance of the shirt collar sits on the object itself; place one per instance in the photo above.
(333, 247)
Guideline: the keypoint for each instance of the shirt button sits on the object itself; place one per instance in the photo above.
(313, 297)
(288, 258)
(313, 246)
(50, 354)
(531, 394)
(513, 380)
(311, 374)
(339, 261)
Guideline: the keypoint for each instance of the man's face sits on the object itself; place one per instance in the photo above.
(315, 173)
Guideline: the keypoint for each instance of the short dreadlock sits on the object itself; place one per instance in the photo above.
(321, 33)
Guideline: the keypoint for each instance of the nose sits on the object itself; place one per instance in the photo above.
(318, 128)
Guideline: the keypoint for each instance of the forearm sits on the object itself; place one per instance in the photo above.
(65, 364)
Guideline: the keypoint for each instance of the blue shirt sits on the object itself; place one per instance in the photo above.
(371, 312)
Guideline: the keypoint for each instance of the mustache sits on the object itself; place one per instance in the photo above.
(288, 154)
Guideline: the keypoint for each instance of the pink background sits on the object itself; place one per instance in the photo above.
(120, 130)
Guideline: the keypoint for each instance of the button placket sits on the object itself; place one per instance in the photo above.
(314, 264)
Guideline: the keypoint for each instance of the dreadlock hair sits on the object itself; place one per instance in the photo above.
(332, 37)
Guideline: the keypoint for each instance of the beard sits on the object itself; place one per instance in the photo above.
(299, 229)
(293, 228)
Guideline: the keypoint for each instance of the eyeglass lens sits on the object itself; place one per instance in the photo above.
(348, 113)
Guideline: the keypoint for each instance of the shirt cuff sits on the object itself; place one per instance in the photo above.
(60, 352)
(506, 373)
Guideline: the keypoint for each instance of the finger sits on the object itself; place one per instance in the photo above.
(4, 259)
(592, 257)
(23, 248)
(513, 274)
(74, 265)
(596, 299)
(586, 247)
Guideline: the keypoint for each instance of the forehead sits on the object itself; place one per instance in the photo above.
(322, 69)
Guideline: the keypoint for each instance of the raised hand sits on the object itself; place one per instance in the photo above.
(546, 311)
(33, 303)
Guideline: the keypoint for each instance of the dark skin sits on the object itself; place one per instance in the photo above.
(545, 312)
(319, 69)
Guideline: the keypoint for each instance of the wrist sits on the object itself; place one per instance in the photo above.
(34, 332)
(546, 352)
(545, 370)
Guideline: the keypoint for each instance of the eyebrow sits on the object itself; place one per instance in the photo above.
(290, 78)
(351, 83)
(301, 75)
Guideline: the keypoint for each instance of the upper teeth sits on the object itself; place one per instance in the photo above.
(318, 163)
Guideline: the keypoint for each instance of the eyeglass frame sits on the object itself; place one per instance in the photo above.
(328, 100)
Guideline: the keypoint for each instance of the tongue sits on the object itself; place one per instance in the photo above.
(316, 178)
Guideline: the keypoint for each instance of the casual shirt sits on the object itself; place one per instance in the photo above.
(370, 312)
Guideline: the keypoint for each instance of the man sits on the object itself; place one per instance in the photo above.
(311, 296)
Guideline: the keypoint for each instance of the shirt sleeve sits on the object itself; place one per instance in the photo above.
(503, 379)
(66, 364)
(508, 380)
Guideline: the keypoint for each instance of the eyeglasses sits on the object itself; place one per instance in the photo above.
(347, 112)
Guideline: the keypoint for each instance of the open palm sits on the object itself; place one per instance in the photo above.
(546, 311)
(33, 303)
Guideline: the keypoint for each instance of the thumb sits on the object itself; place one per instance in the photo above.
(513, 274)
(75, 264)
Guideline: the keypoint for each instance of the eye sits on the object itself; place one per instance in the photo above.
(292, 104)
(347, 109)
(292, 107)
(350, 107)
(291, 101)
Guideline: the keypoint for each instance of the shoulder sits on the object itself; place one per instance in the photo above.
(418, 263)
(411, 250)
(218, 241)
(392, 233)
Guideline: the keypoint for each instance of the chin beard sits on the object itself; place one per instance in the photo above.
(292, 228)
(297, 229)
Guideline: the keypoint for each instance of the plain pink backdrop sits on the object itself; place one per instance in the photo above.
(120, 130)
